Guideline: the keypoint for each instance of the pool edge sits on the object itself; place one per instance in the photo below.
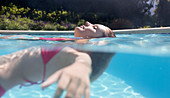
(123, 31)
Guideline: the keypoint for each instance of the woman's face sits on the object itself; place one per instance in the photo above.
(90, 30)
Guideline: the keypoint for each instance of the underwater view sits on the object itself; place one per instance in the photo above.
(139, 69)
(124, 45)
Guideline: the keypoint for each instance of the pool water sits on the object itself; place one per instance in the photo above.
(140, 68)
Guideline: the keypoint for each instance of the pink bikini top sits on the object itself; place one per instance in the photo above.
(47, 54)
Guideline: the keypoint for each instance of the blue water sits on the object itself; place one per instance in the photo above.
(140, 68)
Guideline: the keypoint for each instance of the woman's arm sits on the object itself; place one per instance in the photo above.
(7, 37)
(20, 37)
(68, 64)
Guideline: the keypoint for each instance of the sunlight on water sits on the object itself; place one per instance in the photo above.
(107, 86)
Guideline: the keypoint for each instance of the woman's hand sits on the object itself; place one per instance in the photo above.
(73, 78)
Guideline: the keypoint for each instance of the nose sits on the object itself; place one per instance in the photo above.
(87, 23)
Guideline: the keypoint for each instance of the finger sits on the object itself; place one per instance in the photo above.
(62, 85)
(87, 88)
(58, 93)
(72, 87)
(87, 92)
(80, 90)
(52, 79)
(64, 81)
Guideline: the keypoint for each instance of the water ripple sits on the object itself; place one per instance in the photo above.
(107, 86)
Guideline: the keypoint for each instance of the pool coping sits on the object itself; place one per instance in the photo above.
(159, 30)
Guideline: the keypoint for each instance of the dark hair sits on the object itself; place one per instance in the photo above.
(109, 33)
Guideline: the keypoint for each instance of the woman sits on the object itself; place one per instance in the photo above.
(83, 32)
(93, 31)
(71, 69)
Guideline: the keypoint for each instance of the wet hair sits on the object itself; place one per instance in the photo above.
(108, 33)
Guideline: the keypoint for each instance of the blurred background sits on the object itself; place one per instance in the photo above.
(66, 14)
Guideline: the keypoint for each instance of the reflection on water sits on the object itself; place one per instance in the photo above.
(149, 44)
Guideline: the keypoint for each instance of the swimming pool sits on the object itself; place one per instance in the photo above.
(139, 69)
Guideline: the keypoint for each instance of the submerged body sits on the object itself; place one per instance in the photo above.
(28, 64)
(146, 74)
(72, 69)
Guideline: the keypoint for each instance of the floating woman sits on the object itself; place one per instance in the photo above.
(72, 69)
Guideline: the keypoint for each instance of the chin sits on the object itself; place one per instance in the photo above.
(76, 32)
(79, 32)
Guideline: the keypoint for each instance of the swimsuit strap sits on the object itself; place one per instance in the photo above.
(47, 53)
(55, 39)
